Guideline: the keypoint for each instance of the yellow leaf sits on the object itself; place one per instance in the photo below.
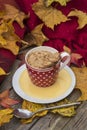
(13, 14)
(2, 72)
(33, 107)
(82, 17)
(3, 27)
(2, 13)
(62, 2)
(38, 34)
(69, 111)
(67, 49)
(5, 116)
(2, 41)
(8, 38)
(49, 15)
(81, 81)
(12, 46)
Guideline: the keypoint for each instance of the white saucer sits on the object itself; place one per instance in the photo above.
(24, 95)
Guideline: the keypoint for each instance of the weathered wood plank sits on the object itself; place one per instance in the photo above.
(79, 122)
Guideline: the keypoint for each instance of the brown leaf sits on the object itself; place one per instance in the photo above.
(38, 34)
(5, 100)
(13, 14)
(49, 15)
(81, 81)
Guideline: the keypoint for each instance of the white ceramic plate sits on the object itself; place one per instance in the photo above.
(22, 94)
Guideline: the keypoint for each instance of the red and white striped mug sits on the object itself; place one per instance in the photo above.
(47, 76)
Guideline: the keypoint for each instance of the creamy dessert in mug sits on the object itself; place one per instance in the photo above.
(42, 59)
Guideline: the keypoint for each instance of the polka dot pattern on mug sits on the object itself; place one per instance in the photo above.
(43, 79)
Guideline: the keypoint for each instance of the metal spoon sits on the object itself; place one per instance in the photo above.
(23, 113)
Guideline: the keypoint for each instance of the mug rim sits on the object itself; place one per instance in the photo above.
(41, 69)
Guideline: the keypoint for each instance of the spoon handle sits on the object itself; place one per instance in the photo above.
(60, 106)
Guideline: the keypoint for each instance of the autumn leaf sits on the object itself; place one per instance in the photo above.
(3, 28)
(69, 111)
(13, 14)
(2, 72)
(77, 59)
(8, 38)
(67, 49)
(81, 81)
(82, 17)
(49, 15)
(38, 34)
(33, 107)
(2, 41)
(5, 116)
(36, 37)
(62, 2)
(5, 100)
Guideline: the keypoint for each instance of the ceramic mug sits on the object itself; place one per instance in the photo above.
(47, 76)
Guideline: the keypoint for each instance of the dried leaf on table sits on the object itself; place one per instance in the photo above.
(38, 34)
(5, 100)
(69, 111)
(13, 14)
(5, 116)
(82, 17)
(81, 81)
(62, 2)
(49, 15)
(33, 107)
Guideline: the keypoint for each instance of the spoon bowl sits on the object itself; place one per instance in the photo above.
(24, 113)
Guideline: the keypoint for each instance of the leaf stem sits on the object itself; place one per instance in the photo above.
(24, 42)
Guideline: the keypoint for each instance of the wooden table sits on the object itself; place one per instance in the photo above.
(50, 121)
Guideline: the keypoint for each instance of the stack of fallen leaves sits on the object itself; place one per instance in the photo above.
(64, 24)
(47, 28)
(8, 38)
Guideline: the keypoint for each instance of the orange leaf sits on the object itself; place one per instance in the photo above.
(5, 100)
(77, 60)
(67, 49)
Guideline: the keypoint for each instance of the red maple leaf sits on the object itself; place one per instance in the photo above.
(5, 100)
